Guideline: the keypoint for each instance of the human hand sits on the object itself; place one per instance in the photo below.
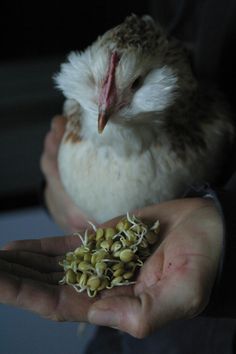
(29, 275)
(176, 281)
(63, 210)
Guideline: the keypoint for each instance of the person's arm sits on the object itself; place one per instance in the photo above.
(222, 302)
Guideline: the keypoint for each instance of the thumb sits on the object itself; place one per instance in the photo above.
(125, 313)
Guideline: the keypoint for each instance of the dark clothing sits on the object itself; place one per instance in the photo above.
(208, 28)
(197, 336)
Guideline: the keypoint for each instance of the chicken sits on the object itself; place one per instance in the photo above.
(140, 127)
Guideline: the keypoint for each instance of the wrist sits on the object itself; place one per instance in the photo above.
(206, 192)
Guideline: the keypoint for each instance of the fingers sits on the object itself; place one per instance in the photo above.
(119, 312)
(51, 146)
(35, 261)
(58, 303)
(178, 294)
(29, 273)
(58, 125)
(50, 246)
(54, 136)
(129, 308)
(133, 315)
(141, 315)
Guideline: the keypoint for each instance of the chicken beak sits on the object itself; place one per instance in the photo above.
(107, 97)
(102, 121)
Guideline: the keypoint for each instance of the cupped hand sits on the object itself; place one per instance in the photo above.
(176, 281)
(63, 210)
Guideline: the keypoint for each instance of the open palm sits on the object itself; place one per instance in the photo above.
(29, 275)
(174, 283)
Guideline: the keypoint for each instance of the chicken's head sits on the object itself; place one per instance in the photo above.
(126, 76)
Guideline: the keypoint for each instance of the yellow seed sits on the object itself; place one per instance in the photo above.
(74, 265)
(116, 246)
(118, 266)
(131, 235)
(101, 254)
(128, 275)
(78, 276)
(116, 254)
(125, 242)
(84, 266)
(151, 237)
(83, 280)
(118, 272)
(98, 243)
(106, 261)
(123, 224)
(100, 267)
(109, 233)
(117, 280)
(87, 257)
(126, 255)
(70, 256)
(93, 282)
(93, 259)
(138, 228)
(104, 284)
(106, 244)
(99, 234)
(70, 277)
(98, 256)
(80, 251)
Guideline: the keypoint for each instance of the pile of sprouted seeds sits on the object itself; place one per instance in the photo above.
(109, 257)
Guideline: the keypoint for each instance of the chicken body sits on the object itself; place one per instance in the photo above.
(140, 129)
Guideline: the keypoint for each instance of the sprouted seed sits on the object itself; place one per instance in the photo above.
(109, 257)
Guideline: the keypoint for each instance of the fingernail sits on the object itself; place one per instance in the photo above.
(103, 318)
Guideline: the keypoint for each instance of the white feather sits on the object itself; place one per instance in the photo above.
(132, 163)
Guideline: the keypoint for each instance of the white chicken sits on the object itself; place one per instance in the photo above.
(140, 128)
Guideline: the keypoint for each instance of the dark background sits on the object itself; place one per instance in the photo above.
(35, 30)
(35, 40)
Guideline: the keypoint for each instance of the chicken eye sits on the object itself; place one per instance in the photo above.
(137, 83)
